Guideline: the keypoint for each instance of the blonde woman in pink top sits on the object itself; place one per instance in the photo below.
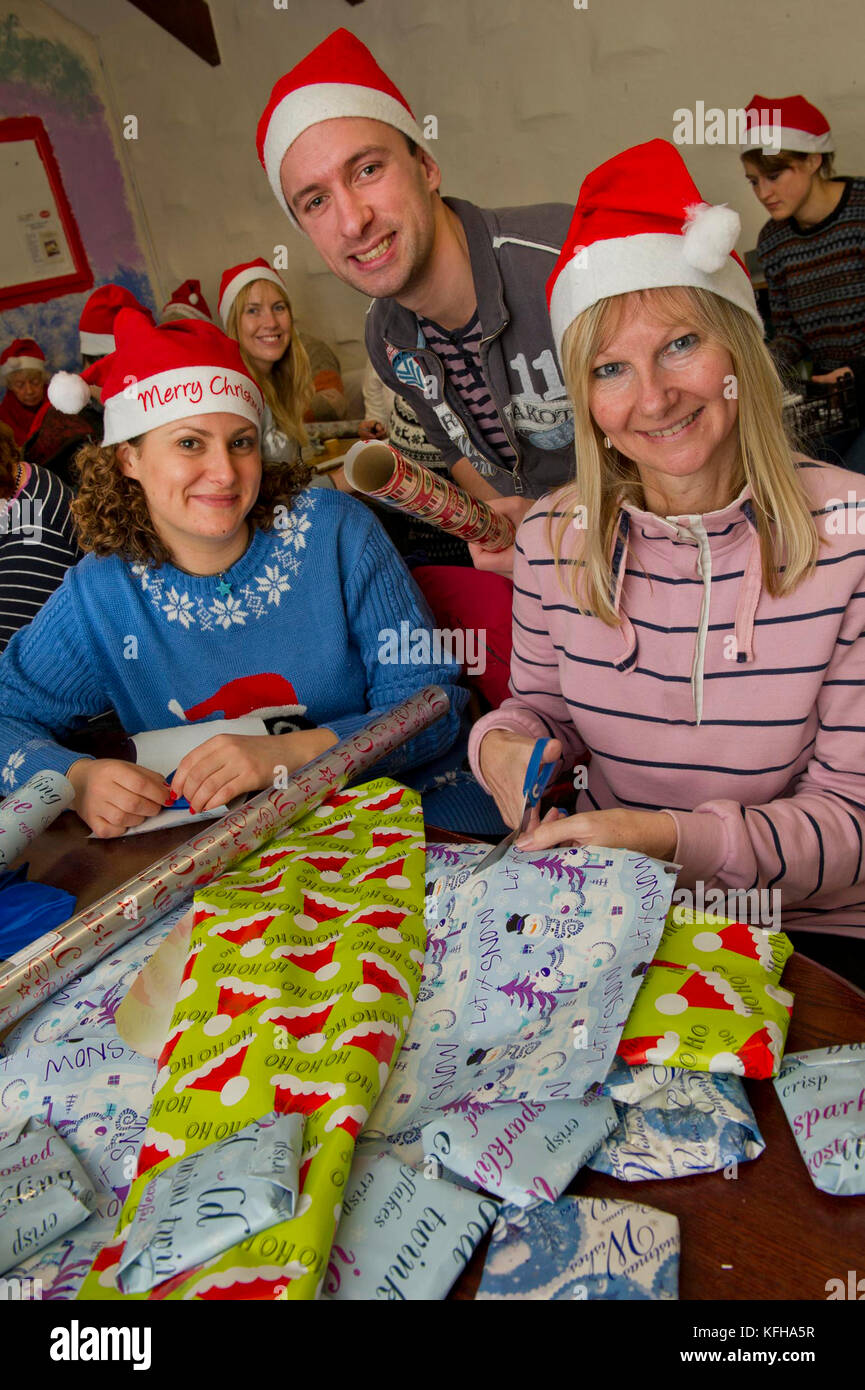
(688, 615)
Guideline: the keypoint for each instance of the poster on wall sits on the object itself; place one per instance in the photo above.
(41, 252)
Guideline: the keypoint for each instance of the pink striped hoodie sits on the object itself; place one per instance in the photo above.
(740, 714)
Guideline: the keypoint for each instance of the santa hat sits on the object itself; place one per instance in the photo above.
(640, 223)
(24, 355)
(234, 280)
(800, 127)
(158, 375)
(187, 302)
(338, 78)
(96, 325)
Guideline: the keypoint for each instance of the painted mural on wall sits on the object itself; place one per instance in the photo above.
(43, 77)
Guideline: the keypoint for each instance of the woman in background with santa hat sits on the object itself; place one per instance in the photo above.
(24, 372)
(690, 611)
(211, 587)
(812, 251)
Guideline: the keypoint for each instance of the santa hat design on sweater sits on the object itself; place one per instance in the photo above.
(640, 223)
(187, 302)
(799, 127)
(392, 871)
(245, 932)
(22, 355)
(158, 375)
(703, 989)
(338, 78)
(318, 908)
(293, 1096)
(96, 324)
(379, 977)
(265, 694)
(156, 1147)
(751, 942)
(316, 959)
(221, 1075)
(237, 997)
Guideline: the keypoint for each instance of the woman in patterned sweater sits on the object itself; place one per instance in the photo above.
(812, 251)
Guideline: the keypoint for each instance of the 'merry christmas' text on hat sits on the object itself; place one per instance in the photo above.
(235, 279)
(24, 355)
(338, 78)
(640, 224)
(158, 375)
(96, 325)
(803, 129)
(187, 302)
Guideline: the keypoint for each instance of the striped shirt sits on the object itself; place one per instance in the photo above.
(766, 784)
(37, 547)
(460, 353)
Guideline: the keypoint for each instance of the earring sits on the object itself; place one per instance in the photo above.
(606, 441)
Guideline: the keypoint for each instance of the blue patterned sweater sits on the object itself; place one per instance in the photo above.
(299, 633)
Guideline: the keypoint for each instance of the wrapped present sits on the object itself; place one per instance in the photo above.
(712, 999)
(44, 1192)
(823, 1095)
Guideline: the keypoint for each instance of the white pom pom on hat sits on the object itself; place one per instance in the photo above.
(710, 233)
(68, 392)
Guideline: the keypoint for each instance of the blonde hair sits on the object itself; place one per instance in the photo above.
(605, 479)
(288, 388)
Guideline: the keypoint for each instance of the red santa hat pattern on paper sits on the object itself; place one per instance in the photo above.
(340, 77)
(265, 694)
(237, 997)
(96, 324)
(187, 302)
(379, 977)
(641, 223)
(241, 1284)
(306, 1024)
(390, 871)
(350, 1118)
(237, 277)
(319, 908)
(386, 921)
(377, 1037)
(245, 932)
(157, 375)
(294, 1096)
(742, 940)
(221, 1074)
(340, 829)
(317, 958)
(799, 127)
(156, 1147)
(702, 989)
(326, 862)
(22, 355)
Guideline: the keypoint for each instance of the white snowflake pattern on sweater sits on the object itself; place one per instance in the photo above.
(10, 771)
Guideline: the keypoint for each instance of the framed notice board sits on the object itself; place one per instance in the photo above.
(41, 252)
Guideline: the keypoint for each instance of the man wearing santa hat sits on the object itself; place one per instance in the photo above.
(459, 327)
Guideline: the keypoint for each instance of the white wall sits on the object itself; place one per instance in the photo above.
(529, 95)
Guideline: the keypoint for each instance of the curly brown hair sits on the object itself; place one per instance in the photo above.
(10, 457)
(112, 517)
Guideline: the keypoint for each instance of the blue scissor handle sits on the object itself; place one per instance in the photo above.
(538, 774)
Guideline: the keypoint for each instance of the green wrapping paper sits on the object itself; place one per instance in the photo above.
(303, 969)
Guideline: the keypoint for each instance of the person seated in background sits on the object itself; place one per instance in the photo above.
(812, 251)
(187, 302)
(243, 593)
(56, 437)
(688, 612)
(37, 537)
(24, 373)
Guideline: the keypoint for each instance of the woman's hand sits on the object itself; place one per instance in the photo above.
(372, 429)
(111, 795)
(643, 832)
(827, 377)
(503, 758)
(224, 766)
(501, 561)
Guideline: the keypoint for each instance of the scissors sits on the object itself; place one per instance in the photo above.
(537, 776)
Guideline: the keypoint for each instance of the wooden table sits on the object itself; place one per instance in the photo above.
(781, 1236)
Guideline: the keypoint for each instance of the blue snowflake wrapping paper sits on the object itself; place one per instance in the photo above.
(530, 973)
(697, 1122)
(87, 1004)
(403, 1235)
(97, 1094)
(582, 1248)
(631, 1083)
(521, 1152)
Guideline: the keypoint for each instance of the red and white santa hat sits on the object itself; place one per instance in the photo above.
(786, 123)
(96, 325)
(24, 355)
(640, 223)
(238, 276)
(160, 374)
(338, 78)
(187, 302)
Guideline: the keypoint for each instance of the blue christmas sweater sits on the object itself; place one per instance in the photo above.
(297, 629)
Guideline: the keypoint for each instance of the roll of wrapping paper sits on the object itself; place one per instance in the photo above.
(30, 810)
(380, 471)
(75, 945)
